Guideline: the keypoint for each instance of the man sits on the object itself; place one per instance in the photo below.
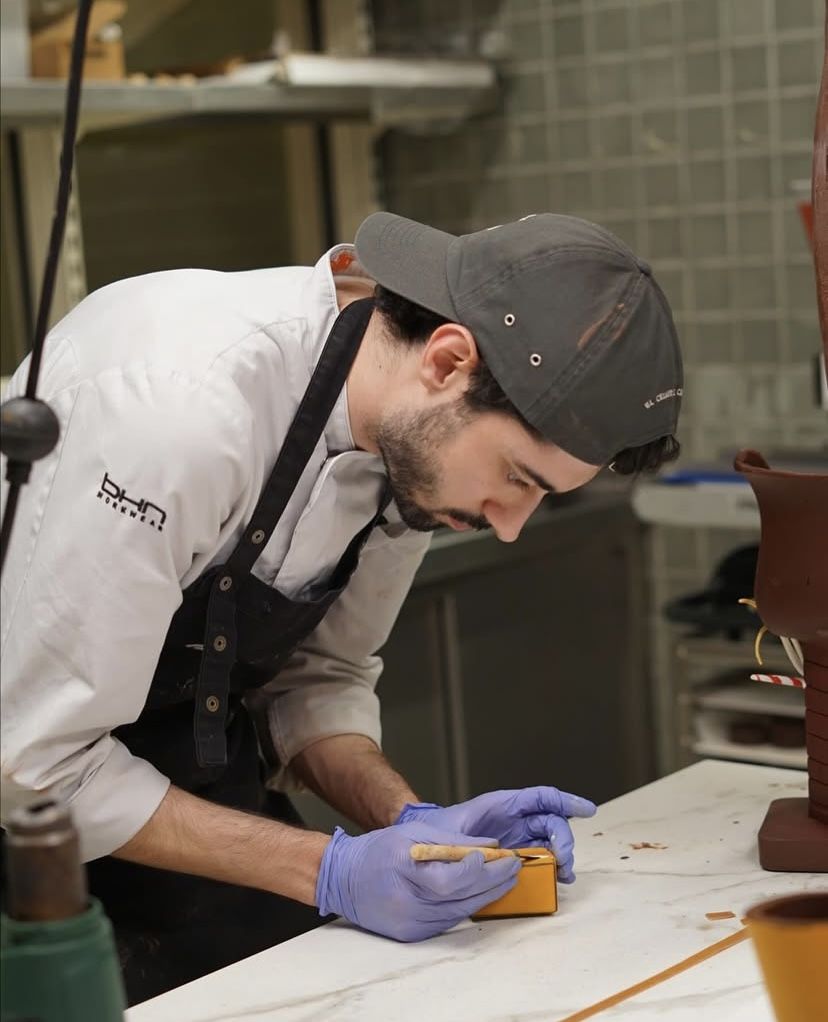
(248, 471)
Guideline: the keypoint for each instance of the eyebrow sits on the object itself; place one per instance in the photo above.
(538, 480)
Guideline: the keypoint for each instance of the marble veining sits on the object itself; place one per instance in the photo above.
(631, 914)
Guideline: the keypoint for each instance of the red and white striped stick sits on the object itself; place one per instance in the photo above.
(779, 679)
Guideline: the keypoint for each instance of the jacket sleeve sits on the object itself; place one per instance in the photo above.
(327, 687)
(142, 486)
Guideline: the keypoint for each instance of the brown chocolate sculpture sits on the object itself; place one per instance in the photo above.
(792, 599)
(791, 589)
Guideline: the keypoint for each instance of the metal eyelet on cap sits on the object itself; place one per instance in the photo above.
(509, 319)
(535, 359)
(225, 582)
(257, 536)
(219, 644)
(212, 703)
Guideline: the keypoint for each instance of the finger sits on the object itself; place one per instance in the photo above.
(446, 882)
(531, 801)
(468, 906)
(426, 833)
(555, 833)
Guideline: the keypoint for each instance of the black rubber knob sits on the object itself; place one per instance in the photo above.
(29, 429)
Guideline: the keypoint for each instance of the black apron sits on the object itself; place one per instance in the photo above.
(231, 635)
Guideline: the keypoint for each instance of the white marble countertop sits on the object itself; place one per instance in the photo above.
(631, 914)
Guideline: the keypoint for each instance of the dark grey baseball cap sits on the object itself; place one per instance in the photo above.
(570, 322)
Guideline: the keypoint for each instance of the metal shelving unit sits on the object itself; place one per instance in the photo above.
(714, 686)
(382, 90)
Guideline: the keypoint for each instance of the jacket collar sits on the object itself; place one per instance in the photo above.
(322, 310)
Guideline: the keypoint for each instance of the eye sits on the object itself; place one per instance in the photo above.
(516, 480)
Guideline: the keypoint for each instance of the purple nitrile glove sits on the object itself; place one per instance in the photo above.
(373, 882)
(522, 818)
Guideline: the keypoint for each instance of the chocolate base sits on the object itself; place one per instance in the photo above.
(791, 841)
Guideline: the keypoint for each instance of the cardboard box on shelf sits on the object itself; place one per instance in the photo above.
(51, 46)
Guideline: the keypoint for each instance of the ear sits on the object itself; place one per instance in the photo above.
(448, 359)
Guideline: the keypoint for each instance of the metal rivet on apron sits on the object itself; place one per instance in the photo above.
(509, 319)
(535, 360)
(257, 536)
(225, 582)
(212, 703)
(219, 644)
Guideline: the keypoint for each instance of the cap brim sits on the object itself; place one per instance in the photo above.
(407, 258)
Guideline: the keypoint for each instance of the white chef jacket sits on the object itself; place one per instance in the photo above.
(174, 393)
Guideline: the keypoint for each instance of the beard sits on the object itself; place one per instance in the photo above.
(408, 443)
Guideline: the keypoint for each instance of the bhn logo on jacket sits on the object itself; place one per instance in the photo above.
(143, 510)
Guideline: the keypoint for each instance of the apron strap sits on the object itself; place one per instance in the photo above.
(219, 653)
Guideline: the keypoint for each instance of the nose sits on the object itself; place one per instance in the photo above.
(507, 521)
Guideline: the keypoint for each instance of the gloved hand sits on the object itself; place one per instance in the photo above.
(524, 818)
(372, 881)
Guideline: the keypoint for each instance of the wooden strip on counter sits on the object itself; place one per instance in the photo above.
(659, 977)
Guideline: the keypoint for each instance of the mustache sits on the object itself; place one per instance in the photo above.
(478, 522)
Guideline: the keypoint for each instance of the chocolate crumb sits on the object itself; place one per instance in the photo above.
(655, 845)
(625, 856)
(598, 833)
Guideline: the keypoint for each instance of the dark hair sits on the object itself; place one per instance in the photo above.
(410, 323)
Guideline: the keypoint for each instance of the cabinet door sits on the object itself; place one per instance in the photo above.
(414, 731)
(553, 674)
(414, 711)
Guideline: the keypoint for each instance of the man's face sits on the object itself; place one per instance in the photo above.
(452, 466)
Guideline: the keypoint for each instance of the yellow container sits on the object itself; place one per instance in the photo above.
(534, 894)
(790, 936)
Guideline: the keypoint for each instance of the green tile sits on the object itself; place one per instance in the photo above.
(568, 36)
(754, 287)
(665, 238)
(796, 241)
(797, 118)
(573, 140)
(709, 235)
(746, 17)
(701, 19)
(671, 282)
(612, 32)
(704, 128)
(707, 181)
(760, 340)
(753, 177)
(661, 185)
(750, 125)
(531, 193)
(626, 230)
(572, 87)
(655, 23)
(754, 232)
(801, 287)
(618, 187)
(796, 167)
(615, 135)
(749, 68)
(577, 191)
(526, 40)
(659, 131)
(712, 289)
(612, 83)
(703, 73)
(804, 340)
(796, 14)
(657, 78)
(714, 341)
(798, 63)
(525, 94)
